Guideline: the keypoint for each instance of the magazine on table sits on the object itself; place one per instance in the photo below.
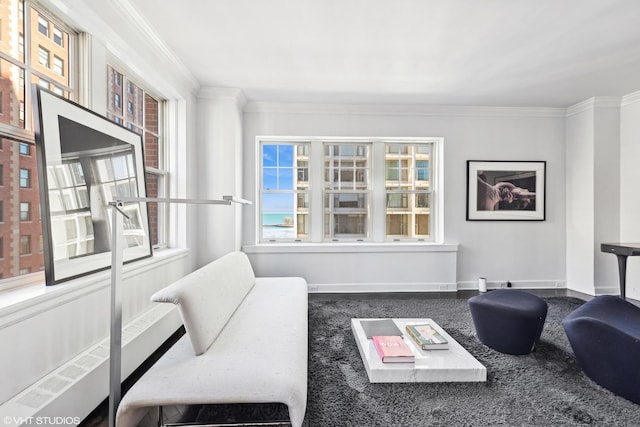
(393, 349)
(427, 337)
(381, 327)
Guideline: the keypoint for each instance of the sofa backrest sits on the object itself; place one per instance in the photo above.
(208, 297)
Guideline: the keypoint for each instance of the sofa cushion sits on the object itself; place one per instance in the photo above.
(208, 297)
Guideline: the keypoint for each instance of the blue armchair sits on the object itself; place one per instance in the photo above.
(604, 334)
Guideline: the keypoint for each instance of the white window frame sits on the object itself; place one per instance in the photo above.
(294, 192)
(416, 188)
(377, 191)
(365, 190)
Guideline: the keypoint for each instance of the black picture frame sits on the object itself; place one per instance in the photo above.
(85, 161)
(499, 190)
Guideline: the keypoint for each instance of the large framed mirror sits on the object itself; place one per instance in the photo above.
(86, 161)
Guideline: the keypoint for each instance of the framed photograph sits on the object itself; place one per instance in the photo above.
(505, 190)
(86, 161)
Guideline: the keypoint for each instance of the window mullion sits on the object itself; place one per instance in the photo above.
(378, 194)
(316, 187)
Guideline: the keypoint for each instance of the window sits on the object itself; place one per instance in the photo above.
(143, 115)
(25, 178)
(25, 245)
(408, 189)
(25, 149)
(58, 65)
(43, 57)
(58, 37)
(285, 195)
(25, 211)
(43, 26)
(25, 59)
(347, 189)
(1, 211)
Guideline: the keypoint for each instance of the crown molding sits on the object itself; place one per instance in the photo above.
(128, 37)
(595, 102)
(234, 94)
(631, 98)
(130, 12)
(401, 110)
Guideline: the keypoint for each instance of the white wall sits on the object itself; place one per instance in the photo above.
(219, 166)
(607, 191)
(532, 253)
(579, 200)
(593, 197)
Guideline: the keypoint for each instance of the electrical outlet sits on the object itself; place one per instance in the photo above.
(508, 284)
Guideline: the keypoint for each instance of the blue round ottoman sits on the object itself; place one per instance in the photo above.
(508, 320)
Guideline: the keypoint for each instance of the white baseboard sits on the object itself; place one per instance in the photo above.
(515, 284)
(430, 287)
(68, 394)
(608, 290)
(380, 287)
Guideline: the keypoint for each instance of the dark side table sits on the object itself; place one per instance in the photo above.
(622, 251)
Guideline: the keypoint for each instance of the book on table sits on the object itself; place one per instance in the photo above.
(382, 327)
(393, 349)
(427, 337)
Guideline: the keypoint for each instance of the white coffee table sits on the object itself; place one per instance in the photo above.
(452, 365)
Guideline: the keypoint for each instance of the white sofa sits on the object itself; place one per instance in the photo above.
(246, 342)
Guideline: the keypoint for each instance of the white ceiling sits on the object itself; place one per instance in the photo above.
(532, 53)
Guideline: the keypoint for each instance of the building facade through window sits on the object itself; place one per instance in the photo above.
(347, 189)
(30, 39)
(143, 115)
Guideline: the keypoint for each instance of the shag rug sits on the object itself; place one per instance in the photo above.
(544, 388)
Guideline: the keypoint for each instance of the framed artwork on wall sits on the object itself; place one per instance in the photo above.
(506, 190)
(86, 161)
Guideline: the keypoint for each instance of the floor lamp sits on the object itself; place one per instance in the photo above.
(115, 349)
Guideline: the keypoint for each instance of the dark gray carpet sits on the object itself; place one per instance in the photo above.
(545, 388)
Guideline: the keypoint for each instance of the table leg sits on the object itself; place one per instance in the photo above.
(622, 270)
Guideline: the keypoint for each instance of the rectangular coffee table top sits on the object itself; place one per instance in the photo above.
(452, 365)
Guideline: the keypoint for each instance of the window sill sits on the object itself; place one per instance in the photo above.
(361, 247)
(24, 301)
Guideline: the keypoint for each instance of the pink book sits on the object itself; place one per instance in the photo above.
(393, 349)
